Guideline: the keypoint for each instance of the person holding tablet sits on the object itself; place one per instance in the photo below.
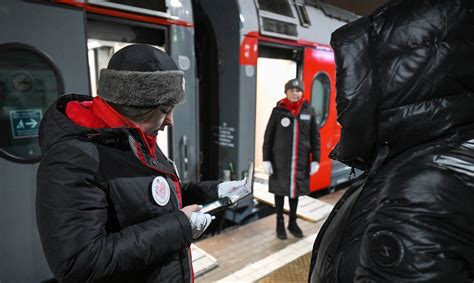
(110, 206)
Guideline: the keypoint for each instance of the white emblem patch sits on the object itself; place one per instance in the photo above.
(285, 122)
(305, 117)
(160, 189)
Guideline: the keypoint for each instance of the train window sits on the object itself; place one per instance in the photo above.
(279, 27)
(303, 15)
(106, 37)
(320, 92)
(99, 54)
(151, 7)
(281, 7)
(29, 83)
(147, 4)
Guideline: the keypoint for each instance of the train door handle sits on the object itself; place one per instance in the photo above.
(184, 154)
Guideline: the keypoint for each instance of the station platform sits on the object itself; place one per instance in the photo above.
(252, 253)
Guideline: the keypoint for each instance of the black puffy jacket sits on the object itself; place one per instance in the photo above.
(290, 144)
(405, 100)
(96, 214)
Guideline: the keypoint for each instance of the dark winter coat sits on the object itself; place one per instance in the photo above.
(291, 149)
(405, 98)
(96, 215)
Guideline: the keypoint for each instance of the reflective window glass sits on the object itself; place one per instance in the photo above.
(29, 83)
(320, 92)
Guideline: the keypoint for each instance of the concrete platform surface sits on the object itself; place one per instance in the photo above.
(251, 252)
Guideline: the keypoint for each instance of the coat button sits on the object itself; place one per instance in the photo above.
(154, 162)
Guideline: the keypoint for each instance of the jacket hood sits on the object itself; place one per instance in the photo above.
(404, 77)
(56, 127)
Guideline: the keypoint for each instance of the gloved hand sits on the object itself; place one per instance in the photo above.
(199, 223)
(267, 167)
(226, 188)
(314, 168)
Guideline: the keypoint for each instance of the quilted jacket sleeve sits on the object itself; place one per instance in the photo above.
(199, 192)
(72, 206)
(421, 230)
(269, 138)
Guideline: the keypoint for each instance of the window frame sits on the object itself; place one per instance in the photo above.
(326, 97)
(17, 46)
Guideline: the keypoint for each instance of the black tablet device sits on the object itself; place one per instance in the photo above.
(217, 205)
(237, 194)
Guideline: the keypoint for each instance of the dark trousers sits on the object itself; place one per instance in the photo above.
(279, 201)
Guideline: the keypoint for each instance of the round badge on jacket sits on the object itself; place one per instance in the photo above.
(385, 249)
(285, 122)
(160, 189)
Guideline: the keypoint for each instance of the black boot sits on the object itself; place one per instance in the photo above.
(280, 226)
(292, 226)
(294, 229)
(281, 233)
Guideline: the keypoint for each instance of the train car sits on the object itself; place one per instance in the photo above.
(246, 51)
(236, 56)
(52, 47)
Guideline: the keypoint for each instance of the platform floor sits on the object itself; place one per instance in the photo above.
(295, 271)
(252, 252)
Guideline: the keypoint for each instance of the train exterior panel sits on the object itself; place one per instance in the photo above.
(57, 38)
(61, 57)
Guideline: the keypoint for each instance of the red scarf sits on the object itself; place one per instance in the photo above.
(98, 114)
(293, 107)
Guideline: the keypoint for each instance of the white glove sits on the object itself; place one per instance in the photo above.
(314, 168)
(199, 223)
(267, 167)
(226, 188)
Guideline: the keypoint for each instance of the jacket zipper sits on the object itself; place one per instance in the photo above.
(294, 158)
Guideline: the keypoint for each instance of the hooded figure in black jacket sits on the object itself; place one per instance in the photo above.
(405, 100)
(110, 205)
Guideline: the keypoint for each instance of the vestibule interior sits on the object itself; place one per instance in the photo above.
(275, 66)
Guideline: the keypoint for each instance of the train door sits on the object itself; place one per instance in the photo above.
(39, 60)
(168, 25)
(105, 36)
(319, 77)
(275, 66)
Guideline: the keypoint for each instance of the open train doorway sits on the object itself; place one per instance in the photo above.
(105, 38)
(274, 68)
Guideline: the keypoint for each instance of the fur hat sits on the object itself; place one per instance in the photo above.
(294, 83)
(141, 75)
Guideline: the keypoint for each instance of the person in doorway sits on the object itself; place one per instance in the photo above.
(291, 153)
(405, 93)
(110, 205)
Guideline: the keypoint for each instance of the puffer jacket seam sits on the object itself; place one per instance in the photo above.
(433, 99)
